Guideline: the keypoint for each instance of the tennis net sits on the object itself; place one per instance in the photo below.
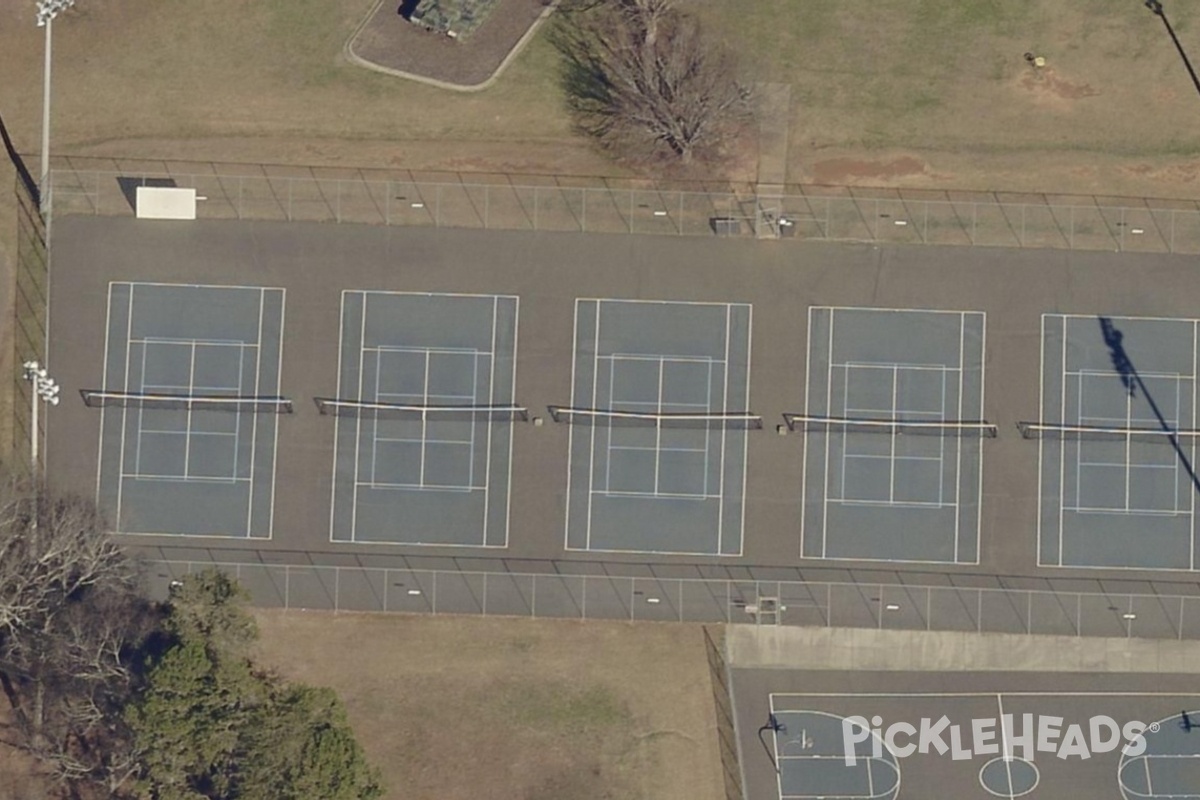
(1101, 433)
(699, 421)
(94, 398)
(331, 406)
(891, 427)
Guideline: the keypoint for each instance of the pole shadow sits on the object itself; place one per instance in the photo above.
(18, 163)
(1114, 339)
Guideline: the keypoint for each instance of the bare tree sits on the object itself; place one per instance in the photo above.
(644, 78)
(71, 620)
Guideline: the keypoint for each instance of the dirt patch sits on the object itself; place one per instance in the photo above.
(388, 40)
(1048, 87)
(465, 707)
(849, 171)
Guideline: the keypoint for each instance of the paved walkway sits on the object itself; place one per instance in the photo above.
(760, 647)
(386, 42)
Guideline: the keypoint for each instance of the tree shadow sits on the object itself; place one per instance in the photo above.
(1114, 339)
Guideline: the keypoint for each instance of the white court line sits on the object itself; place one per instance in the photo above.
(337, 420)
(828, 439)
(278, 390)
(958, 447)
(708, 384)
(724, 431)
(927, 311)
(891, 439)
(976, 695)
(571, 433)
(623, 300)
(124, 412)
(893, 365)
(194, 285)
(149, 476)
(808, 343)
(104, 409)
(491, 398)
(592, 448)
(362, 340)
(179, 340)
(237, 440)
(649, 357)
(137, 450)
(745, 434)
(253, 421)
(512, 400)
(424, 417)
(1041, 462)
(1192, 490)
(1062, 447)
(658, 494)
(658, 428)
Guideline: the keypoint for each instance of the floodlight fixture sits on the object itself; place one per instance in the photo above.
(47, 10)
(46, 389)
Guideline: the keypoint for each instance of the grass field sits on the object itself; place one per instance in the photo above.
(472, 707)
(892, 92)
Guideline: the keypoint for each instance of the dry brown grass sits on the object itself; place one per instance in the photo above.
(469, 707)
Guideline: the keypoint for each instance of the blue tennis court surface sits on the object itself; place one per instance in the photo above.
(886, 495)
(1116, 492)
(663, 486)
(190, 471)
(424, 478)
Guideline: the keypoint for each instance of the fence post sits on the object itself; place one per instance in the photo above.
(387, 579)
(1029, 612)
(1182, 602)
(979, 610)
(880, 587)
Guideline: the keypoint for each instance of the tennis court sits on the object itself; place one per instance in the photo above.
(659, 418)
(1115, 390)
(189, 409)
(893, 423)
(973, 744)
(423, 419)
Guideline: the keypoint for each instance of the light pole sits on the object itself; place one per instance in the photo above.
(46, 390)
(47, 10)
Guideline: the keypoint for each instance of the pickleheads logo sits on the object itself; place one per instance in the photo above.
(1009, 735)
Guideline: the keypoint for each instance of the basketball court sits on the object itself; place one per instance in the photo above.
(659, 418)
(970, 744)
(1115, 393)
(894, 430)
(423, 419)
(189, 409)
